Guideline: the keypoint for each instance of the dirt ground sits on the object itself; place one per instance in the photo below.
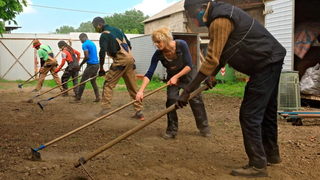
(145, 154)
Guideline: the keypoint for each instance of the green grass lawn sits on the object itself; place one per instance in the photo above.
(230, 89)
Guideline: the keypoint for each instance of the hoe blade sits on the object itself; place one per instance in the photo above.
(40, 105)
(35, 154)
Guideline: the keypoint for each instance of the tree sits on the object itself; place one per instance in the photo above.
(65, 29)
(8, 11)
(85, 27)
(128, 22)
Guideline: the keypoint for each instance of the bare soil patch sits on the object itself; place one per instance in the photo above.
(144, 155)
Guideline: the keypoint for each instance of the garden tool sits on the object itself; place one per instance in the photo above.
(20, 85)
(37, 155)
(83, 160)
(47, 100)
(31, 99)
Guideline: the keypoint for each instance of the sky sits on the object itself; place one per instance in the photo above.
(35, 19)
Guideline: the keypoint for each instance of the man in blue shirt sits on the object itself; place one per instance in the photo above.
(91, 58)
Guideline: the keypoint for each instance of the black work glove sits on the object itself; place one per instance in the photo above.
(102, 72)
(184, 97)
(210, 81)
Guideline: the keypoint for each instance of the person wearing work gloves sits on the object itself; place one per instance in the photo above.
(72, 56)
(175, 57)
(91, 58)
(48, 63)
(115, 43)
(239, 40)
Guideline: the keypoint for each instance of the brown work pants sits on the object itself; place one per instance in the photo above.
(44, 71)
(128, 73)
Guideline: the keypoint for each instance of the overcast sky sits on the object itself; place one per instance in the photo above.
(37, 19)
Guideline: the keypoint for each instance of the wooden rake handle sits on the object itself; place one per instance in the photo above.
(100, 118)
(83, 160)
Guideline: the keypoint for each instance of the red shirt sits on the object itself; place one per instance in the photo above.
(66, 56)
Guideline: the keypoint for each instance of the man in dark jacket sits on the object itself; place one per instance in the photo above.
(115, 43)
(239, 40)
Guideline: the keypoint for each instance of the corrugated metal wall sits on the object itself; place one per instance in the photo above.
(143, 50)
(279, 21)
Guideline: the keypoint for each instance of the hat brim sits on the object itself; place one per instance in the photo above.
(36, 45)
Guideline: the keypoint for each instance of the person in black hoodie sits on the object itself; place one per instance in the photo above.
(238, 39)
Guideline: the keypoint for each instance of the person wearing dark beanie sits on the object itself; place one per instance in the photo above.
(238, 39)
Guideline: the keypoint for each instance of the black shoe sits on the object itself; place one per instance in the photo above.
(250, 171)
(76, 100)
(207, 134)
(168, 136)
(97, 100)
(273, 160)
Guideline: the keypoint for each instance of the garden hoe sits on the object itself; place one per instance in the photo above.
(36, 155)
(31, 99)
(46, 101)
(83, 160)
(20, 85)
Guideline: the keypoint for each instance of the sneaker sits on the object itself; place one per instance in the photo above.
(168, 136)
(101, 113)
(97, 100)
(207, 134)
(250, 171)
(138, 115)
(273, 160)
(35, 91)
(76, 100)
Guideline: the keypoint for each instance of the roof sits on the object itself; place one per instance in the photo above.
(177, 7)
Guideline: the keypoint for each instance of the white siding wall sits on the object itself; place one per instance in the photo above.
(18, 43)
(280, 23)
(143, 50)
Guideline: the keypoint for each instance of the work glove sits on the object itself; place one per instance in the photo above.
(102, 72)
(48, 65)
(184, 97)
(210, 81)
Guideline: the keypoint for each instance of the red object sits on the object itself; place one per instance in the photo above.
(223, 71)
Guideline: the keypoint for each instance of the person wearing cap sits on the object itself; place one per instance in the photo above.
(91, 58)
(48, 63)
(238, 39)
(118, 47)
(72, 57)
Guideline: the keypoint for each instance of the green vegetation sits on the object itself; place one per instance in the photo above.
(8, 12)
(129, 22)
(229, 88)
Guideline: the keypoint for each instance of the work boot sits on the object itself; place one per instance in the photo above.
(35, 91)
(101, 113)
(273, 160)
(76, 100)
(65, 94)
(97, 100)
(138, 115)
(168, 136)
(250, 171)
(206, 134)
